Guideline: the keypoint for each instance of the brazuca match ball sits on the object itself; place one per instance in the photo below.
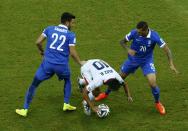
(103, 111)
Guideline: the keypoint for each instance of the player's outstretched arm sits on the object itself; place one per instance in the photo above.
(86, 97)
(39, 42)
(75, 55)
(170, 59)
(127, 92)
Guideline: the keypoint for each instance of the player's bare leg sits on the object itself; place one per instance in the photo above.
(91, 95)
(156, 93)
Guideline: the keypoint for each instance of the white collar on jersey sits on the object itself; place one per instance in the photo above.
(149, 34)
(64, 26)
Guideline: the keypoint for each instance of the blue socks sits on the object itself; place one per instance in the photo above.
(31, 91)
(156, 93)
(107, 92)
(67, 90)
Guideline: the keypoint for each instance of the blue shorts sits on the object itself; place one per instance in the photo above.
(47, 70)
(130, 66)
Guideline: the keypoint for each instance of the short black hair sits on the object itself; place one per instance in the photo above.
(142, 25)
(66, 16)
(113, 84)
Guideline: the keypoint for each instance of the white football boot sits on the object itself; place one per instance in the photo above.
(87, 109)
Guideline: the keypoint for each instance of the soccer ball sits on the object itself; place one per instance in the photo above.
(103, 110)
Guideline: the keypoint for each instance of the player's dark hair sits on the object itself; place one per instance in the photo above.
(66, 16)
(113, 84)
(142, 25)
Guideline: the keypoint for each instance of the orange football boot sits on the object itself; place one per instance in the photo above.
(101, 96)
(161, 109)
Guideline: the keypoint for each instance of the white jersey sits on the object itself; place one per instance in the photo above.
(96, 72)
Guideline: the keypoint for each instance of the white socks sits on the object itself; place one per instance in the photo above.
(91, 96)
(82, 81)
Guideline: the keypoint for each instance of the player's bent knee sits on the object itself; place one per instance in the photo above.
(152, 80)
(152, 83)
(36, 81)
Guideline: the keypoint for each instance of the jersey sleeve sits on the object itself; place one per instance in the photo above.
(45, 32)
(72, 39)
(93, 85)
(130, 35)
(160, 42)
(118, 77)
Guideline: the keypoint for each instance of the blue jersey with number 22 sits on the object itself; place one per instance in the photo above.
(59, 38)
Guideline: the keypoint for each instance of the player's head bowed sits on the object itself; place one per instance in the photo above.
(113, 84)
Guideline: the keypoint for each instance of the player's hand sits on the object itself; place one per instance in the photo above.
(95, 109)
(173, 68)
(129, 99)
(82, 63)
(131, 52)
(42, 53)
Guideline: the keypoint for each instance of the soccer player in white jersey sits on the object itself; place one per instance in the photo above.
(95, 73)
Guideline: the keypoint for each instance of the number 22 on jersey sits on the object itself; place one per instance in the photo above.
(57, 38)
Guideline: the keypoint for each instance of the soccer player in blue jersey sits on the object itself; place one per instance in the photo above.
(140, 54)
(60, 43)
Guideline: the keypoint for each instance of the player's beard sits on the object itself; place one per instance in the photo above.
(69, 28)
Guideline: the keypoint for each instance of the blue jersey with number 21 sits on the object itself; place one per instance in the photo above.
(59, 38)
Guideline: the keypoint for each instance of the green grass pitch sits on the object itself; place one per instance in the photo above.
(100, 25)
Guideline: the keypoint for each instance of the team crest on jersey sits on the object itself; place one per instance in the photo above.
(138, 40)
